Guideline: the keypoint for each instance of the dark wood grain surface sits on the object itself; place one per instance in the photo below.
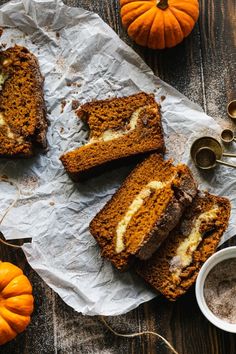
(202, 68)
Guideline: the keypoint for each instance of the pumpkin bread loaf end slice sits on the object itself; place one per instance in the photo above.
(119, 128)
(175, 265)
(23, 123)
(143, 211)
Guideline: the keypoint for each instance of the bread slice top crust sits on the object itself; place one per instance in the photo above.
(114, 115)
(23, 123)
(174, 267)
(143, 211)
(119, 128)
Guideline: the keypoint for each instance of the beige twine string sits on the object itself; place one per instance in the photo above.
(138, 334)
(2, 179)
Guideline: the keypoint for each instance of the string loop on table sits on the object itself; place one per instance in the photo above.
(138, 334)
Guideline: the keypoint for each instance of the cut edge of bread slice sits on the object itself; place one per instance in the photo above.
(132, 224)
(121, 129)
(174, 267)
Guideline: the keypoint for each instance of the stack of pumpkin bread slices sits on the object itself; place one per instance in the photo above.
(157, 222)
(162, 225)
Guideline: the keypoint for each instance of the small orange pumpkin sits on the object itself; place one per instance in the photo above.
(16, 301)
(158, 24)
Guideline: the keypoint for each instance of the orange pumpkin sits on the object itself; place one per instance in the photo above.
(158, 24)
(16, 301)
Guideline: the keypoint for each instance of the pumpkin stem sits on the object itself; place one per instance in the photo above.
(162, 4)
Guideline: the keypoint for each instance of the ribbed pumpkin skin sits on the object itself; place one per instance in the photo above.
(156, 28)
(16, 301)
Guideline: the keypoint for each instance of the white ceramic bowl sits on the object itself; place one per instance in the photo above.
(216, 258)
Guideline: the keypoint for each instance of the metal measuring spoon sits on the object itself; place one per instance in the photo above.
(205, 159)
(210, 143)
(227, 136)
(231, 109)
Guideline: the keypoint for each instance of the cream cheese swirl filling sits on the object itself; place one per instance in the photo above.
(8, 132)
(111, 134)
(2, 80)
(184, 253)
(132, 210)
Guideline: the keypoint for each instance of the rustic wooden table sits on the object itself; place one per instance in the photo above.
(202, 68)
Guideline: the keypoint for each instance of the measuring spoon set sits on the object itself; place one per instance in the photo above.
(207, 151)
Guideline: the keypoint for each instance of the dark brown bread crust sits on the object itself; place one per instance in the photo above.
(114, 114)
(177, 196)
(162, 228)
(21, 104)
(156, 271)
(185, 190)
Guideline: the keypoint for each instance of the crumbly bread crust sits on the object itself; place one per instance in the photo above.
(22, 109)
(114, 115)
(153, 221)
(157, 271)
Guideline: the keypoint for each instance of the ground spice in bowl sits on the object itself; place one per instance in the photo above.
(220, 290)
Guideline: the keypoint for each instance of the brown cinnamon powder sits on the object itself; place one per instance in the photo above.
(220, 290)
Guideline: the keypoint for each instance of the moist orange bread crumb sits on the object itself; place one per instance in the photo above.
(119, 128)
(23, 122)
(143, 211)
(175, 265)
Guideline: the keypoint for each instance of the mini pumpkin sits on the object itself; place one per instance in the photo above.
(16, 301)
(159, 24)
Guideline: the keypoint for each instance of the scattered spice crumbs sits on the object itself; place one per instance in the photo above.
(69, 84)
(75, 104)
(4, 177)
(63, 103)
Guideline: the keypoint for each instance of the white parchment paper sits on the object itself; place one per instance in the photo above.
(82, 58)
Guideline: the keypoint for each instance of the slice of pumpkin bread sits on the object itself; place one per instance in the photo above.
(143, 211)
(23, 122)
(175, 265)
(119, 128)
